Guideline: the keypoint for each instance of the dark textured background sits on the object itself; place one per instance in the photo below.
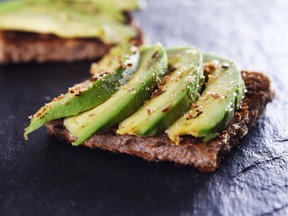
(46, 177)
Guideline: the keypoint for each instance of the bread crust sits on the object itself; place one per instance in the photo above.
(205, 156)
(22, 47)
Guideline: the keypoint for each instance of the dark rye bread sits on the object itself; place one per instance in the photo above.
(21, 47)
(204, 156)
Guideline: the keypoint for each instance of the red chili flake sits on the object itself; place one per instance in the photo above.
(215, 95)
(93, 79)
(167, 108)
(195, 106)
(190, 116)
(209, 68)
(165, 80)
(199, 112)
(155, 55)
(157, 92)
(149, 110)
(172, 69)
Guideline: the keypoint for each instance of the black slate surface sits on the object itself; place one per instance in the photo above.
(47, 177)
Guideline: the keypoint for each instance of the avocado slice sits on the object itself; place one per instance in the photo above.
(64, 21)
(95, 7)
(127, 5)
(94, 91)
(215, 107)
(153, 66)
(173, 98)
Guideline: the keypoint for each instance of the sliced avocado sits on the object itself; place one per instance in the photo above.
(214, 109)
(127, 5)
(66, 22)
(106, 10)
(113, 60)
(93, 92)
(7, 6)
(102, 8)
(153, 66)
(173, 98)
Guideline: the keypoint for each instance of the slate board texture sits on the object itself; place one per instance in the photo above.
(45, 176)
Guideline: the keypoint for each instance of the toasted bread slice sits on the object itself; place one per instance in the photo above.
(205, 156)
(22, 47)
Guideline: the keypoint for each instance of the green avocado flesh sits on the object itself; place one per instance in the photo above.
(153, 66)
(93, 92)
(67, 20)
(112, 8)
(215, 107)
(172, 99)
(123, 90)
(126, 5)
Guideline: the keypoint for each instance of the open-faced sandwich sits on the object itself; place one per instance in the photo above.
(65, 30)
(161, 104)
